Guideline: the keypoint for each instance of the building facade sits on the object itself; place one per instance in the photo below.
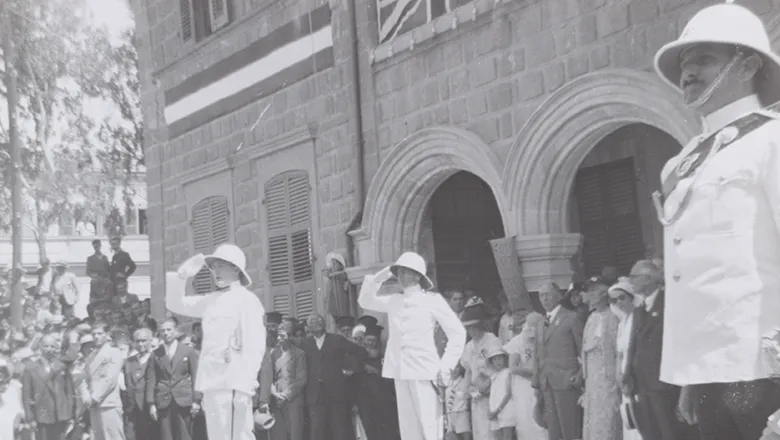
(471, 131)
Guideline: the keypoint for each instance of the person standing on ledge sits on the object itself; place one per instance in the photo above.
(411, 358)
(720, 208)
(233, 343)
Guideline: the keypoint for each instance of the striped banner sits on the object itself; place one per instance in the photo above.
(287, 55)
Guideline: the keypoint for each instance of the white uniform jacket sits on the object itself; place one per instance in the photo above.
(233, 334)
(722, 262)
(411, 351)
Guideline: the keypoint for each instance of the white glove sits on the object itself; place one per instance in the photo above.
(383, 275)
(191, 267)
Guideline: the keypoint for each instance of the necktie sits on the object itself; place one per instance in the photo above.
(547, 319)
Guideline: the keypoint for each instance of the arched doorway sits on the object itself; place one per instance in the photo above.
(463, 218)
(611, 203)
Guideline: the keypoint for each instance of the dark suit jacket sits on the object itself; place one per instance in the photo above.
(48, 398)
(325, 379)
(644, 348)
(557, 351)
(265, 378)
(135, 383)
(131, 299)
(173, 380)
(121, 262)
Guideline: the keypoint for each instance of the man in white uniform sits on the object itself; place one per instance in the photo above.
(411, 357)
(721, 211)
(233, 343)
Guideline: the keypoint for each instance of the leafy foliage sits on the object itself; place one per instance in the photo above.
(78, 115)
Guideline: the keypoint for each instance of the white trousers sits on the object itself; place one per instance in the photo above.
(419, 410)
(228, 415)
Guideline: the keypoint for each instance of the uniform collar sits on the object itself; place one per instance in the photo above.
(731, 112)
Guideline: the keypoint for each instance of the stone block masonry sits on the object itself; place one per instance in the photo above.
(488, 76)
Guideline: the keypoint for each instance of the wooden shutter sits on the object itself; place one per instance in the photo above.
(290, 258)
(218, 14)
(210, 227)
(609, 216)
(187, 20)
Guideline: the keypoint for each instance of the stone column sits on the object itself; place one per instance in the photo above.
(547, 258)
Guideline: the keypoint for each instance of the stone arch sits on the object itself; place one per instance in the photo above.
(408, 177)
(554, 141)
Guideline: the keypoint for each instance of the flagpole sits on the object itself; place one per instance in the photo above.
(16, 171)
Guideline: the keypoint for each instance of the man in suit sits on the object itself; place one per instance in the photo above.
(121, 297)
(138, 422)
(557, 375)
(170, 379)
(48, 396)
(262, 398)
(104, 366)
(98, 271)
(655, 400)
(326, 391)
(289, 366)
(122, 264)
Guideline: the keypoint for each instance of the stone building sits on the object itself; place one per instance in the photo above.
(295, 128)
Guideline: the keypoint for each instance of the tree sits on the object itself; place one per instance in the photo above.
(72, 82)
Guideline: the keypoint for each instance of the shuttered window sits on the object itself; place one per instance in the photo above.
(187, 19)
(290, 258)
(210, 227)
(609, 216)
(218, 14)
(201, 18)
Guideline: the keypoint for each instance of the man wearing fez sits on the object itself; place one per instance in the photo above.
(720, 207)
(411, 358)
(272, 322)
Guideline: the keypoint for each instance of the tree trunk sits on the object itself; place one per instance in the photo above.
(40, 232)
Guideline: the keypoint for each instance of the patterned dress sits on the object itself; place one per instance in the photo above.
(475, 362)
(602, 397)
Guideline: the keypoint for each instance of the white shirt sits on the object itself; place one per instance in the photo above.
(552, 314)
(319, 341)
(721, 261)
(234, 335)
(67, 286)
(170, 350)
(651, 300)
(412, 316)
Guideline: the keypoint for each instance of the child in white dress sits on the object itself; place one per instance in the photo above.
(521, 360)
(503, 417)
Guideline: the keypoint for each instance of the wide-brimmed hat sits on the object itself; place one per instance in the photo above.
(232, 254)
(474, 312)
(61, 263)
(728, 24)
(496, 351)
(623, 285)
(413, 261)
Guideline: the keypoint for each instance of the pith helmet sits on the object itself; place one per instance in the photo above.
(232, 254)
(730, 24)
(415, 262)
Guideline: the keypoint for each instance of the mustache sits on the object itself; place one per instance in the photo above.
(690, 81)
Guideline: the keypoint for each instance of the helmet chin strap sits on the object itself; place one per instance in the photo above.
(709, 91)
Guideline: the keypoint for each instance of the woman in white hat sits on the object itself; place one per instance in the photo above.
(721, 211)
(411, 358)
(233, 343)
